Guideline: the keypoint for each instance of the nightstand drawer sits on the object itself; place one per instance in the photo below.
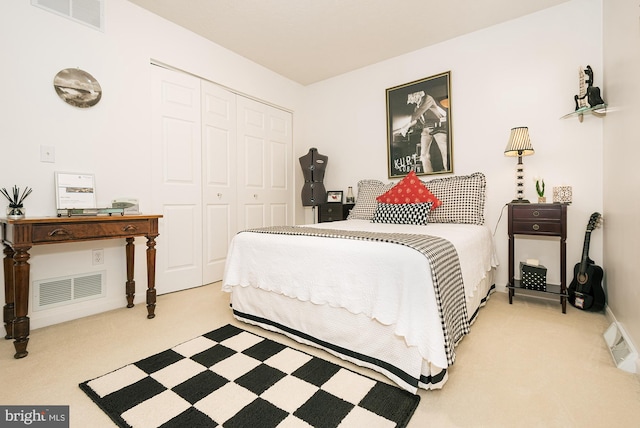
(536, 227)
(546, 213)
(333, 211)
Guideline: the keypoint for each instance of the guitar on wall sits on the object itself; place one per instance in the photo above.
(585, 290)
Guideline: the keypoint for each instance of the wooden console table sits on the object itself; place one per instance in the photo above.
(18, 236)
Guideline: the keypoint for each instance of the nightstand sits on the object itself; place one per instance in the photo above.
(333, 211)
(539, 220)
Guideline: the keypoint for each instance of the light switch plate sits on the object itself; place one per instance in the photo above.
(47, 154)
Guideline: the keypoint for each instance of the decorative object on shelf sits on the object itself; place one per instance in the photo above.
(75, 191)
(334, 196)
(419, 127)
(562, 194)
(534, 276)
(592, 93)
(519, 145)
(580, 99)
(15, 210)
(77, 87)
(588, 99)
(540, 190)
(350, 198)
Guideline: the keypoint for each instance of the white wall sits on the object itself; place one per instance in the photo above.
(621, 173)
(519, 73)
(112, 139)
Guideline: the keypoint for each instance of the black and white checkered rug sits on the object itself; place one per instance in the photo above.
(233, 378)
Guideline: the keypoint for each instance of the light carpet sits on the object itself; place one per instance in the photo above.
(233, 378)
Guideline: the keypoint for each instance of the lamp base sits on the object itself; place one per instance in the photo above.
(520, 201)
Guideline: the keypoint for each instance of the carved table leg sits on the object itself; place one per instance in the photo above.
(9, 295)
(21, 287)
(131, 284)
(151, 276)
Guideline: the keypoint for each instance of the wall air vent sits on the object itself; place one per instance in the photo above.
(87, 12)
(54, 292)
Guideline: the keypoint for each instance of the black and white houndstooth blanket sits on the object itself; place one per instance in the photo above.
(445, 272)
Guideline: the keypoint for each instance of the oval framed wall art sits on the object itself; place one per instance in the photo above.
(77, 87)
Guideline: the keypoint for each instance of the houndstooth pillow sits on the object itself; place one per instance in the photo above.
(462, 198)
(368, 191)
(402, 213)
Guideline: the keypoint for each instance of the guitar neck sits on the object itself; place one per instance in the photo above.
(585, 252)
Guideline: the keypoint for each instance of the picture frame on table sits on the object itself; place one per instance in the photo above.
(334, 196)
(419, 127)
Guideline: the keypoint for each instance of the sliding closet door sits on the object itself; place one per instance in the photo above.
(221, 163)
(264, 165)
(219, 177)
(177, 177)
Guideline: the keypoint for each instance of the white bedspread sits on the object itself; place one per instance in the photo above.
(387, 282)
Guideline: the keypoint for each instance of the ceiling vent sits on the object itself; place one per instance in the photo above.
(87, 12)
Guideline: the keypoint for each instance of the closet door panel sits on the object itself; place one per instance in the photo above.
(176, 184)
(219, 157)
(264, 165)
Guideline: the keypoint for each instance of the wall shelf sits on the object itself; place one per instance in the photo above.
(599, 111)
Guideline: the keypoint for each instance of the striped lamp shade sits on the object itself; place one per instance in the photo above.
(519, 142)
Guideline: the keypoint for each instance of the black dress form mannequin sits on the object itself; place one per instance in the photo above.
(313, 167)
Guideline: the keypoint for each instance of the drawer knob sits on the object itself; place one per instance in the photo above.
(536, 227)
(59, 232)
(330, 210)
(536, 214)
(129, 228)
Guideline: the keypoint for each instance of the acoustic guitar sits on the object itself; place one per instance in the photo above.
(585, 290)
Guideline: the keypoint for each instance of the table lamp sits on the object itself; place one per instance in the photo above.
(519, 145)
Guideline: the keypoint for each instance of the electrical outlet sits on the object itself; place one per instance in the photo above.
(98, 257)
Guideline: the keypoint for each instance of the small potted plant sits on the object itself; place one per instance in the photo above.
(540, 190)
(16, 210)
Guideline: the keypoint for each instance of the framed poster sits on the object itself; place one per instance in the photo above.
(419, 127)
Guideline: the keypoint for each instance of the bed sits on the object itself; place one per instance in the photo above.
(392, 290)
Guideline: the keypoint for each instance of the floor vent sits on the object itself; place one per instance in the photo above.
(54, 292)
(88, 12)
(622, 350)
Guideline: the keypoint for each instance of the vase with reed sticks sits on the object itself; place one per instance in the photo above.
(16, 210)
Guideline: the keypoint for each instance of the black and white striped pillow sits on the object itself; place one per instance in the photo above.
(403, 213)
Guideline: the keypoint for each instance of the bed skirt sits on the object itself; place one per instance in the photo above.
(352, 337)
